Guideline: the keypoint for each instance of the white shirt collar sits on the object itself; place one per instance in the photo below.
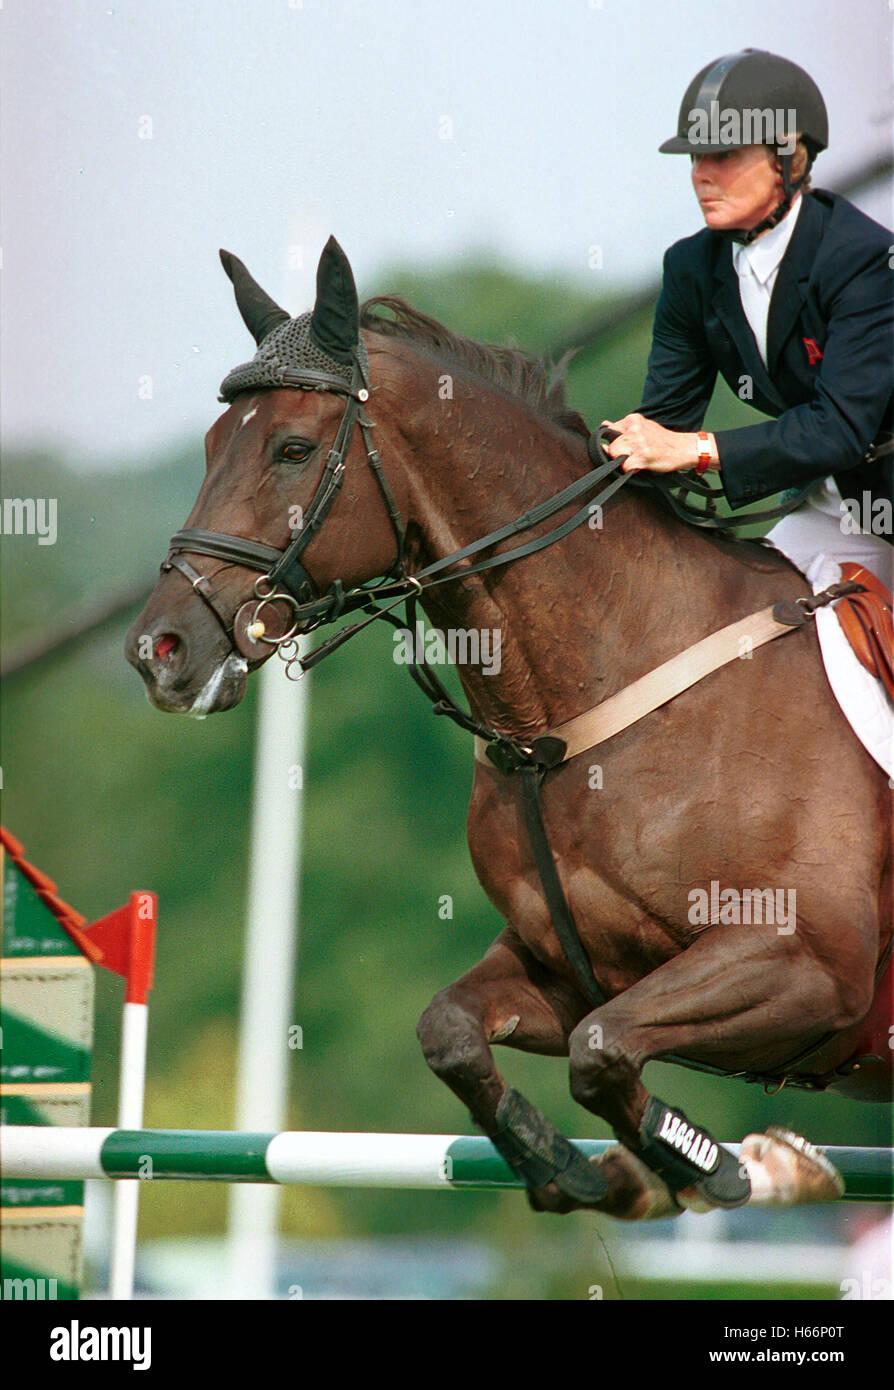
(762, 257)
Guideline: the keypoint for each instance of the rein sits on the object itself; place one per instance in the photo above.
(284, 579)
(410, 586)
(676, 494)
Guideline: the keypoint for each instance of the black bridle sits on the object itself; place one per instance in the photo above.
(284, 578)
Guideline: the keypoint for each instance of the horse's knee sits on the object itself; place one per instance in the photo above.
(587, 1063)
(598, 1063)
(452, 1039)
(821, 998)
(853, 999)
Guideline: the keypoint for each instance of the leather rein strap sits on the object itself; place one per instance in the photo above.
(676, 492)
(286, 578)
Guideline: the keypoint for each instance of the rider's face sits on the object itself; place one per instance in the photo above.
(737, 188)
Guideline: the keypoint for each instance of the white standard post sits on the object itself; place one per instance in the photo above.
(272, 929)
(125, 1201)
(269, 968)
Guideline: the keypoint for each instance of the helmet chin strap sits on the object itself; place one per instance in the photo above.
(746, 237)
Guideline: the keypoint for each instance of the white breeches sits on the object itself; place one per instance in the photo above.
(813, 538)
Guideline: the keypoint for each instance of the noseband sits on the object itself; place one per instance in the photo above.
(284, 578)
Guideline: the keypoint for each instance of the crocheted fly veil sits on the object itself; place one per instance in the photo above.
(290, 351)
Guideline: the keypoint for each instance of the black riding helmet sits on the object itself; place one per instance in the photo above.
(724, 105)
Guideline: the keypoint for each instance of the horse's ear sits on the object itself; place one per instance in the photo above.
(335, 322)
(260, 313)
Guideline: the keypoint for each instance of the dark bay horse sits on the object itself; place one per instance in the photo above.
(749, 781)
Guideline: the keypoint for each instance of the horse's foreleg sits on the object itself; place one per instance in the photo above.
(750, 995)
(510, 998)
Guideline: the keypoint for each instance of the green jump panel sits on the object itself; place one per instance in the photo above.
(29, 927)
(46, 1015)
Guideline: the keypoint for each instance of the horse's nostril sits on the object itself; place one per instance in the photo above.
(165, 645)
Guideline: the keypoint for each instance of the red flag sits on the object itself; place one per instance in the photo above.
(124, 942)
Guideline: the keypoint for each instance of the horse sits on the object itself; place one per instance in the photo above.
(749, 777)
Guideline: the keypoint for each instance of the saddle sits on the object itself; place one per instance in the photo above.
(867, 623)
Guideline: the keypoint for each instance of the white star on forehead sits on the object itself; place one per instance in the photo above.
(249, 416)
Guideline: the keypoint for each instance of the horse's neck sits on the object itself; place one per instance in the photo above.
(575, 622)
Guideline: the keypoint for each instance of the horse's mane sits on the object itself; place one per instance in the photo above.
(529, 378)
(520, 373)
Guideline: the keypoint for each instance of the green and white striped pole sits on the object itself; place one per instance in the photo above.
(312, 1159)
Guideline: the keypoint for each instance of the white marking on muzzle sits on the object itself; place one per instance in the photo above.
(234, 665)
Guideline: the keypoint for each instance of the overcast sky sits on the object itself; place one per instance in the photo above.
(138, 137)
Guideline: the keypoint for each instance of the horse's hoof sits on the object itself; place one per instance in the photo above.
(635, 1193)
(785, 1170)
(549, 1198)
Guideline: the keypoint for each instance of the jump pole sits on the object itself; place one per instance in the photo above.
(311, 1159)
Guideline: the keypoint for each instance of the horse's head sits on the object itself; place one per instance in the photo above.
(256, 561)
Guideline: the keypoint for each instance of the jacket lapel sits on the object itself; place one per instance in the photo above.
(790, 289)
(728, 307)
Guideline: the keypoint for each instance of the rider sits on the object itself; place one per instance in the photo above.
(788, 293)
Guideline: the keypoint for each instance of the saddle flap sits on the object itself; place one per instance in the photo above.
(867, 623)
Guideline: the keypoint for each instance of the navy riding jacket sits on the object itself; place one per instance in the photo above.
(830, 353)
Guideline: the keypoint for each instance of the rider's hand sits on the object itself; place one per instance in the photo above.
(650, 445)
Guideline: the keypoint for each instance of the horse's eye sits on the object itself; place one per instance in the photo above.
(295, 452)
